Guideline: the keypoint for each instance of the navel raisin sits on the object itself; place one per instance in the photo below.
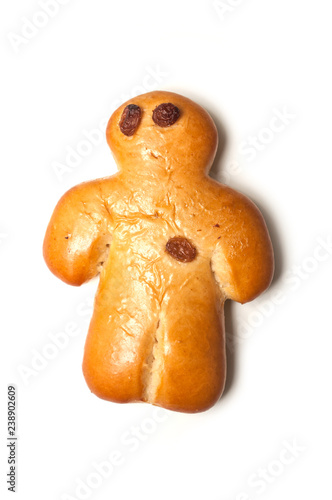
(181, 249)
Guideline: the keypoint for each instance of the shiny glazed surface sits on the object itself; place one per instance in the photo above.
(157, 331)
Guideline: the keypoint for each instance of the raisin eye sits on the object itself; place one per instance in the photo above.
(165, 114)
(130, 119)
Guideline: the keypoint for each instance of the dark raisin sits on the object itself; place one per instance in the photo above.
(130, 119)
(216, 225)
(181, 249)
(165, 114)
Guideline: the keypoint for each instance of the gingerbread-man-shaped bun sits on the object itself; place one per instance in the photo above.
(171, 245)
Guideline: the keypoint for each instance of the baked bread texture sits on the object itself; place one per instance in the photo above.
(170, 245)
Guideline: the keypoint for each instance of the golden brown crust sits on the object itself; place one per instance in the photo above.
(157, 331)
(192, 367)
(77, 234)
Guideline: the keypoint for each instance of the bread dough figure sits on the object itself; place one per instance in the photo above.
(171, 245)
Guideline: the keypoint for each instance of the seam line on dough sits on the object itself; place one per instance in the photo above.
(221, 271)
(154, 363)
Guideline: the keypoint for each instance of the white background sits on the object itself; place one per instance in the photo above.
(245, 61)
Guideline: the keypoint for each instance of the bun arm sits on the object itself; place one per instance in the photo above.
(77, 238)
